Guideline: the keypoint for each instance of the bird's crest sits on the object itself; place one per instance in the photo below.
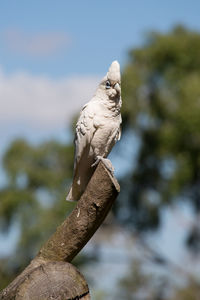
(114, 72)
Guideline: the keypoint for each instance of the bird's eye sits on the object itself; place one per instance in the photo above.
(108, 84)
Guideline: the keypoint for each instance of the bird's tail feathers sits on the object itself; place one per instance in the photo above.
(69, 196)
(74, 193)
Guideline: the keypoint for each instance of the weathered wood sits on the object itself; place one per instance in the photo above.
(39, 279)
(53, 280)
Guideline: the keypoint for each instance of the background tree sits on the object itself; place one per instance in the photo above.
(161, 92)
(33, 198)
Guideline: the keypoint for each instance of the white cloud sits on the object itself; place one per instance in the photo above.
(35, 45)
(43, 102)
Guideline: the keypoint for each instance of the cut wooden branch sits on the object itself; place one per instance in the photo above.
(68, 240)
(53, 280)
(84, 220)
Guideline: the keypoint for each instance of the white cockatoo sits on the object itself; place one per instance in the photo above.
(97, 130)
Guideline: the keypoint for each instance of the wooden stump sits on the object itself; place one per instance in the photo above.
(52, 280)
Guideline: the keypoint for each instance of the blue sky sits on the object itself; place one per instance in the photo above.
(96, 32)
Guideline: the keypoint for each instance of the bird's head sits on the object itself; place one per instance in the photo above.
(111, 83)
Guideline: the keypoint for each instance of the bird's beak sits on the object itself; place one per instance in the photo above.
(117, 87)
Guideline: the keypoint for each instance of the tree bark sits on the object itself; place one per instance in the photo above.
(38, 280)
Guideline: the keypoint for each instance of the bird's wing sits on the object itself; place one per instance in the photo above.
(85, 130)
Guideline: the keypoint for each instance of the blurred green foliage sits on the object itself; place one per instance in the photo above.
(161, 106)
(143, 284)
(34, 197)
(161, 93)
(140, 284)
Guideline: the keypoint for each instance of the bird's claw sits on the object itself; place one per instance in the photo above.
(107, 163)
(96, 161)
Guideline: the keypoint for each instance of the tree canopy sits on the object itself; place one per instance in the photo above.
(161, 93)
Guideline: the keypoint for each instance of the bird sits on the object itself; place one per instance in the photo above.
(97, 130)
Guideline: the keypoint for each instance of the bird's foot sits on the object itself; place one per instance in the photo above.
(107, 163)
